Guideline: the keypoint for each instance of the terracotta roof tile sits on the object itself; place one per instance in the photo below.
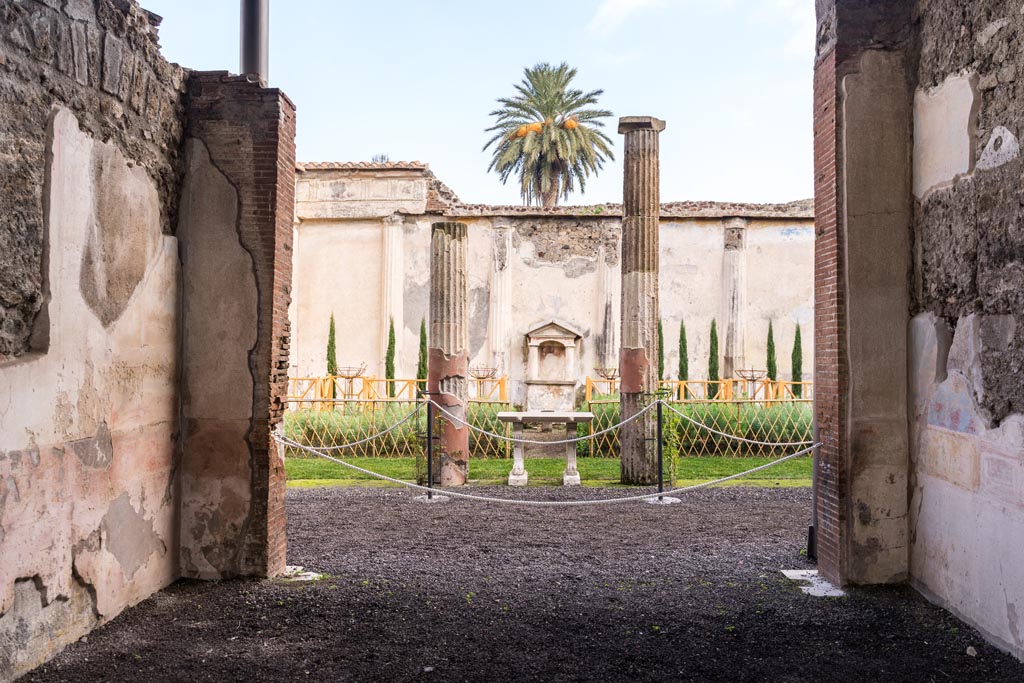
(361, 166)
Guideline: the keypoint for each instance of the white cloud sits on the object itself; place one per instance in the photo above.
(611, 13)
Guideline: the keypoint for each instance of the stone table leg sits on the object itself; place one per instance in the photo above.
(571, 477)
(518, 476)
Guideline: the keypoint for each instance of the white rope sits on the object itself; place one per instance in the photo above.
(513, 439)
(733, 436)
(374, 436)
(542, 503)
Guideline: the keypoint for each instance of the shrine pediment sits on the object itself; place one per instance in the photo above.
(554, 330)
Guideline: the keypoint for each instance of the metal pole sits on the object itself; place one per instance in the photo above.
(430, 449)
(255, 38)
(812, 530)
(661, 469)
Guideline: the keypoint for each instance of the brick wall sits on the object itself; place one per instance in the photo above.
(249, 132)
(829, 316)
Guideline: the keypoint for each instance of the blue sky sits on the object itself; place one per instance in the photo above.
(416, 80)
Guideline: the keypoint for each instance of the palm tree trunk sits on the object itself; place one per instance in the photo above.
(550, 198)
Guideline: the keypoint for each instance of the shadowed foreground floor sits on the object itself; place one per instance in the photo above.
(472, 592)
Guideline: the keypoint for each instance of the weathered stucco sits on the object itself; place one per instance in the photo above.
(101, 61)
(967, 339)
(877, 112)
(563, 265)
(967, 507)
(87, 498)
(220, 302)
(96, 368)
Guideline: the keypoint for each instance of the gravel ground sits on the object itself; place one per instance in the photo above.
(477, 592)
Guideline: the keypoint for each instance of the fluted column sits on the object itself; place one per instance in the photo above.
(448, 352)
(638, 363)
(734, 289)
(392, 288)
(499, 325)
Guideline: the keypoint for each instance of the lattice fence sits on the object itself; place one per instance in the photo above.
(774, 420)
(338, 422)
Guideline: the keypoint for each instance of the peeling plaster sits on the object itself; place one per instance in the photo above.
(97, 451)
(129, 536)
(1002, 148)
(945, 119)
(96, 390)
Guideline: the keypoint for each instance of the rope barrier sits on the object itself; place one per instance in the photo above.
(577, 439)
(732, 436)
(543, 503)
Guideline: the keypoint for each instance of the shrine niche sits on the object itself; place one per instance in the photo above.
(551, 368)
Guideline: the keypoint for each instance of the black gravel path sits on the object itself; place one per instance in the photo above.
(481, 592)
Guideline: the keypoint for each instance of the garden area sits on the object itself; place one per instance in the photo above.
(692, 454)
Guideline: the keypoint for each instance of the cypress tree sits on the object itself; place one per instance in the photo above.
(773, 364)
(661, 352)
(798, 363)
(684, 361)
(421, 365)
(332, 356)
(389, 358)
(713, 362)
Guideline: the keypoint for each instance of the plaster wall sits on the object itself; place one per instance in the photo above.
(345, 281)
(967, 507)
(878, 215)
(216, 383)
(338, 265)
(88, 501)
(967, 338)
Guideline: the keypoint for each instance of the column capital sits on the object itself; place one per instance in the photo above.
(735, 233)
(628, 124)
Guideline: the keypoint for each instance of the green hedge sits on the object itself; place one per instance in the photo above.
(348, 423)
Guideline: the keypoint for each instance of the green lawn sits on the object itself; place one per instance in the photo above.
(305, 472)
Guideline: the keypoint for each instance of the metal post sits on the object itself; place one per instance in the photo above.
(430, 449)
(660, 438)
(812, 530)
(661, 469)
(255, 37)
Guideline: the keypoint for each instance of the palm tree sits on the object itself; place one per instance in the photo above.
(547, 136)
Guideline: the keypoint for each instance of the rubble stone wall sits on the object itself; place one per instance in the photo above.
(100, 60)
(967, 337)
(107, 248)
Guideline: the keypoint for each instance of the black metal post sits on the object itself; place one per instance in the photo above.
(255, 38)
(661, 469)
(812, 530)
(430, 449)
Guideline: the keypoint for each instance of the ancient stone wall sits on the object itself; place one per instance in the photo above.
(91, 119)
(99, 60)
(918, 196)
(967, 337)
(88, 500)
(560, 264)
(105, 496)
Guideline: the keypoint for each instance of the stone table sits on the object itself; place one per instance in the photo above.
(518, 476)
